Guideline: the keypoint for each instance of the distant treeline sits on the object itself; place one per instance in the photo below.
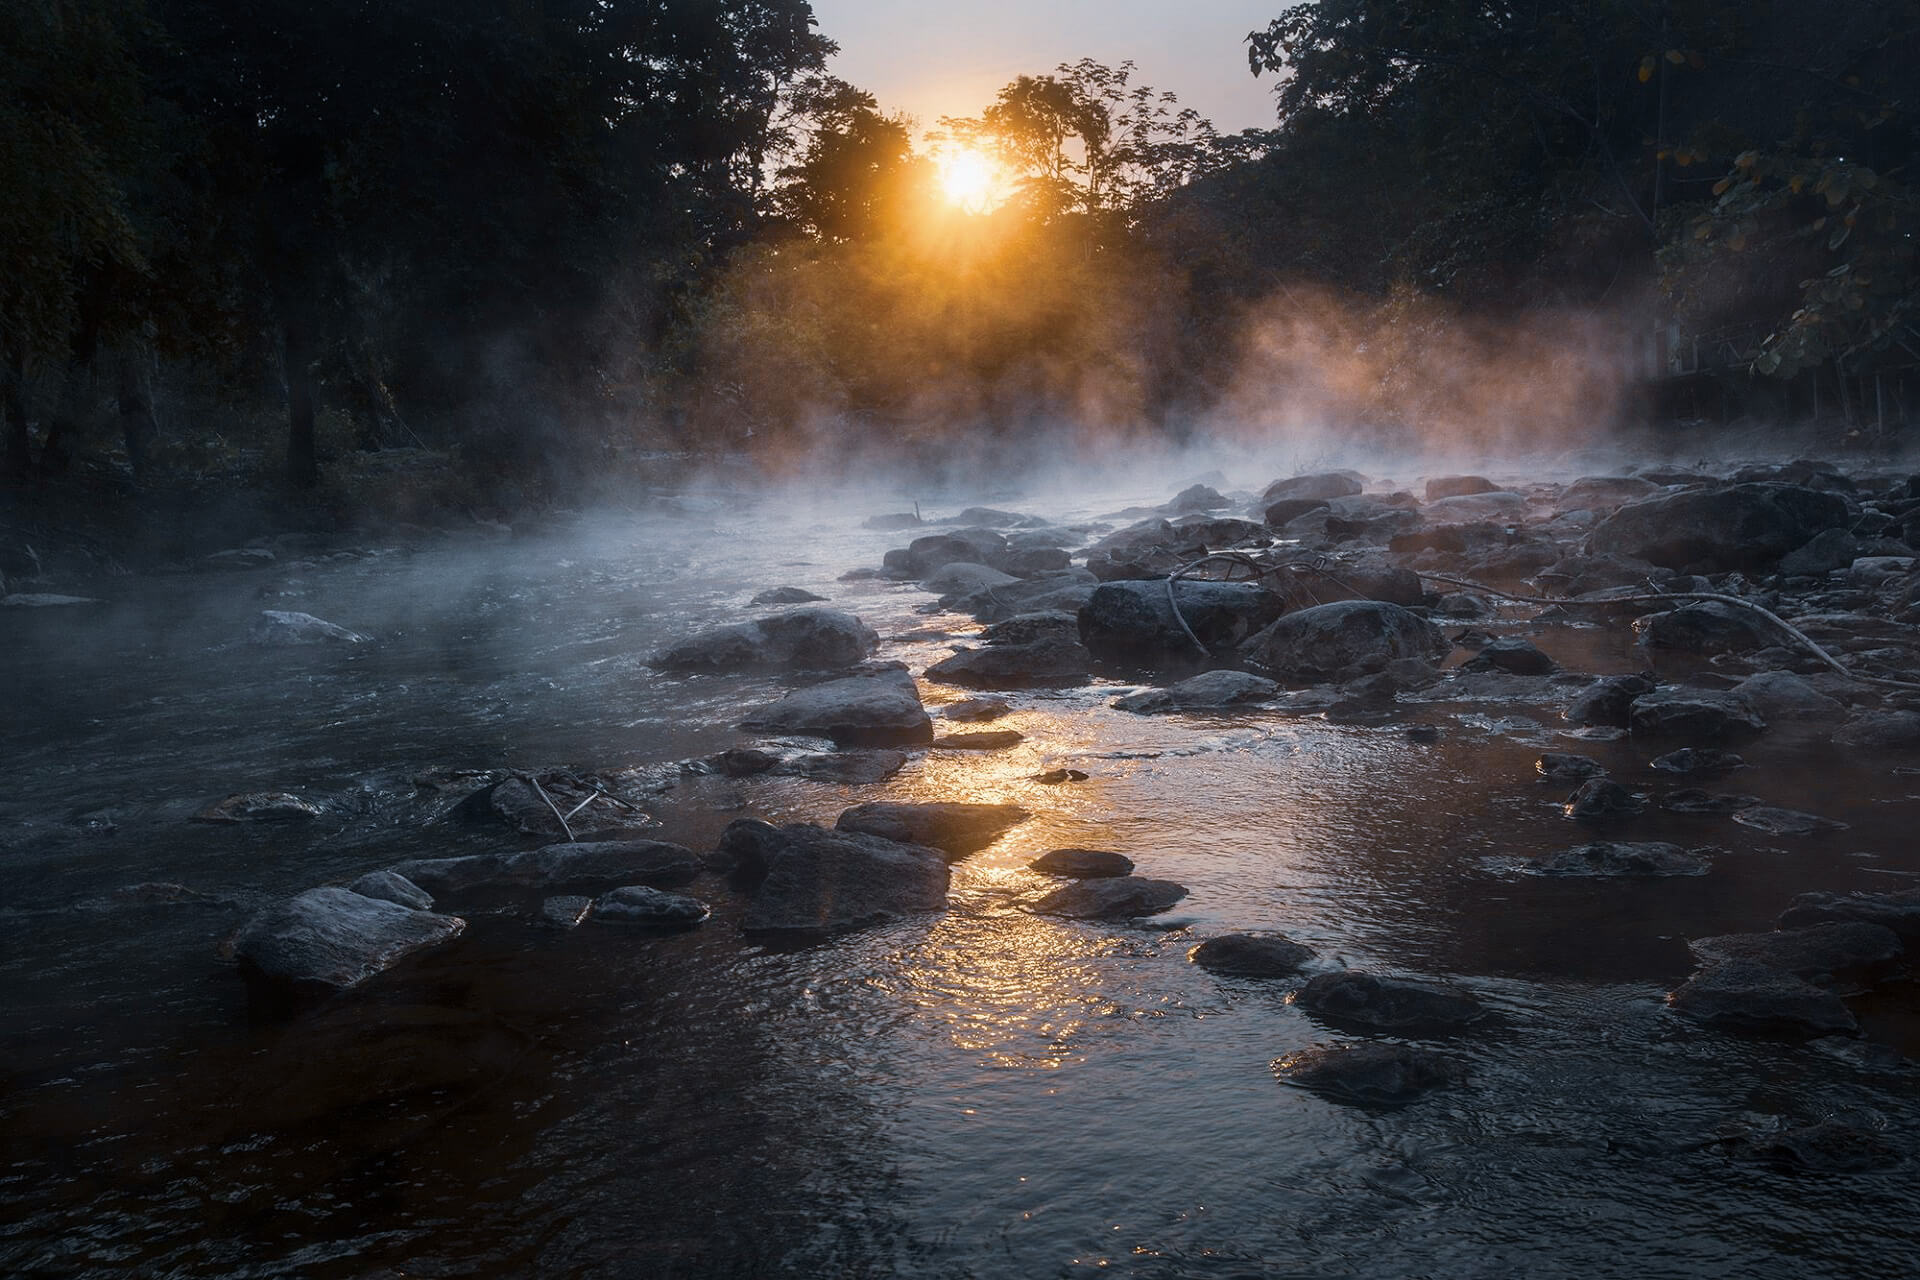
(546, 236)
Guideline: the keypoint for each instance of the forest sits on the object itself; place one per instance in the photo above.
(525, 247)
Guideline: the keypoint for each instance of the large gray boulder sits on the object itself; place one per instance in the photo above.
(971, 546)
(955, 829)
(556, 866)
(1616, 859)
(876, 707)
(808, 639)
(1835, 953)
(329, 939)
(1898, 911)
(1340, 641)
(1695, 715)
(820, 881)
(1705, 626)
(1134, 621)
(1743, 527)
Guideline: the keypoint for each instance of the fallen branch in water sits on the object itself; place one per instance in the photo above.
(541, 791)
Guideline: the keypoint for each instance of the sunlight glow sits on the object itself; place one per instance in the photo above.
(971, 179)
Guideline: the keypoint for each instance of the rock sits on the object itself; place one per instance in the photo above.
(1704, 627)
(742, 762)
(1054, 777)
(1368, 1074)
(923, 555)
(1331, 484)
(1472, 508)
(1827, 1146)
(1112, 898)
(1609, 858)
(259, 806)
(1134, 621)
(1044, 663)
(1064, 592)
(1699, 715)
(1208, 691)
(639, 904)
(808, 639)
(1288, 509)
(52, 600)
(1784, 822)
(1028, 628)
(1197, 498)
(1032, 562)
(1844, 953)
(1702, 760)
(849, 768)
(1387, 1004)
(985, 740)
(1744, 527)
(1880, 730)
(959, 578)
(1757, 997)
(1082, 864)
(280, 627)
(330, 939)
(1694, 800)
(555, 866)
(1828, 550)
(1513, 655)
(876, 707)
(564, 911)
(820, 881)
(1371, 580)
(1591, 492)
(953, 828)
(389, 887)
(1251, 955)
(785, 595)
(1340, 641)
(1464, 606)
(976, 709)
(1898, 911)
(1562, 766)
(1458, 486)
(1781, 695)
(1608, 701)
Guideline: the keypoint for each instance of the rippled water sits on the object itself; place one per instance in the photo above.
(981, 1093)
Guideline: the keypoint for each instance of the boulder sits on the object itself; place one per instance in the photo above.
(1744, 527)
(1602, 800)
(1880, 731)
(1329, 484)
(985, 740)
(1608, 701)
(809, 639)
(1280, 513)
(820, 881)
(994, 518)
(955, 829)
(1781, 695)
(1594, 492)
(259, 806)
(848, 768)
(1250, 955)
(1208, 691)
(1755, 997)
(1828, 550)
(1898, 911)
(1698, 715)
(282, 627)
(1026, 628)
(1082, 864)
(1340, 641)
(565, 910)
(556, 866)
(1826, 1146)
(1388, 1004)
(1134, 621)
(785, 595)
(1562, 766)
(877, 707)
(1048, 662)
(1033, 562)
(642, 905)
(923, 555)
(516, 802)
(1112, 898)
(1706, 626)
(1784, 822)
(1065, 592)
(958, 578)
(1837, 953)
(1382, 1075)
(1514, 655)
(1458, 486)
(1606, 858)
(1501, 506)
(389, 887)
(330, 939)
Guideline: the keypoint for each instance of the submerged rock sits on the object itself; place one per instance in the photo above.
(785, 595)
(878, 707)
(985, 740)
(329, 939)
(1607, 858)
(1602, 800)
(1563, 766)
(849, 768)
(259, 806)
(1695, 800)
(956, 829)
(642, 905)
(976, 709)
(1208, 691)
(1368, 1074)
(1250, 955)
(1898, 911)
(282, 627)
(1340, 641)
(1880, 730)
(1784, 822)
(1837, 953)
(810, 639)
(1697, 760)
(1513, 655)
(1388, 1004)
(1111, 898)
(556, 866)
(1133, 621)
(820, 881)
(1826, 1146)
(1750, 996)
(1082, 864)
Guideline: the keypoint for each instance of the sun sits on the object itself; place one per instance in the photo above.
(971, 179)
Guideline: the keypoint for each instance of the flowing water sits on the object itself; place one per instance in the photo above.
(985, 1092)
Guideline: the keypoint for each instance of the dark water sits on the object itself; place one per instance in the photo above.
(982, 1093)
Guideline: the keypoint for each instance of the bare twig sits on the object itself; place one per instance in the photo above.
(541, 791)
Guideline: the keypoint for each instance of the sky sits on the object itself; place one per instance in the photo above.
(931, 59)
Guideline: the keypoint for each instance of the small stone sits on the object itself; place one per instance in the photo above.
(1513, 655)
(1697, 760)
(1608, 702)
(1602, 800)
(976, 709)
(1082, 864)
(259, 806)
(1563, 766)
(1368, 1074)
(1388, 1004)
(390, 887)
(1251, 955)
(1606, 858)
(642, 905)
(786, 595)
(1054, 777)
(1114, 898)
(1784, 822)
(987, 740)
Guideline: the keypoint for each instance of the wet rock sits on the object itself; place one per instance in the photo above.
(281, 627)
(1700, 760)
(1029, 628)
(1368, 1074)
(1111, 898)
(807, 639)
(1781, 695)
(1208, 691)
(1082, 864)
(1694, 800)
(785, 595)
(329, 939)
(955, 829)
(743, 762)
(1750, 996)
(1744, 527)
(389, 887)
(1344, 640)
(877, 707)
(529, 808)
(985, 740)
(1459, 486)
(1050, 662)
(1285, 510)
(849, 768)
(1065, 592)
(1898, 911)
(1696, 715)
(1033, 562)
(1827, 1146)
(1474, 507)
(1464, 606)
(1250, 955)
(564, 911)
(1605, 858)
(1784, 822)
(259, 806)
(1197, 497)
(52, 600)
(746, 848)
(1706, 626)
(976, 709)
(555, 866)
(1840, 953)
(1880, 730)
(994, 518)
(1828, 550)
(1054, 777)
(1601, 800)
(1423, 733)
(1388, 1004)
(642, 905)
(923, 555)
(1513, 655)
(1322, 485)
(820, 881)
(959, 578)
(1593, 492)
(1135, 622)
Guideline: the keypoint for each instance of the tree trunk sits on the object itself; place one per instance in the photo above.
(303, 464)
(136, 413)
(13, 400)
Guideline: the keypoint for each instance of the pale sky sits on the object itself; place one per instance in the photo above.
(931, 59)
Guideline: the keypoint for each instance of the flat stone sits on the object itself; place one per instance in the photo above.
(1563, 766)
(1082, 864)
(1701, 760)
(1837, 953)
(1318, 486)
(956, 829)
(880, 707)
(985, 740)
(283, 627)
(1756, 997)
(800, 639)
(820, 881)
(44, 600)
(785, 595)
(849, 768)
(259, 806)
(555, 866)
(1880, 730)
(1706, 716)
(643, 905)
(1111, 898)
(1607, 858)
(1048, 662)
(389, 887)
(1784, 822)
(329, 939)
(1368, 1074)
(1387, 1004)
(1602, 800)
(1208, 691)
(1695, 800)
(1898, 911)
(1251, 955)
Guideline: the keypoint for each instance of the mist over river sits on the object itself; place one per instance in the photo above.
(981, 1092)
